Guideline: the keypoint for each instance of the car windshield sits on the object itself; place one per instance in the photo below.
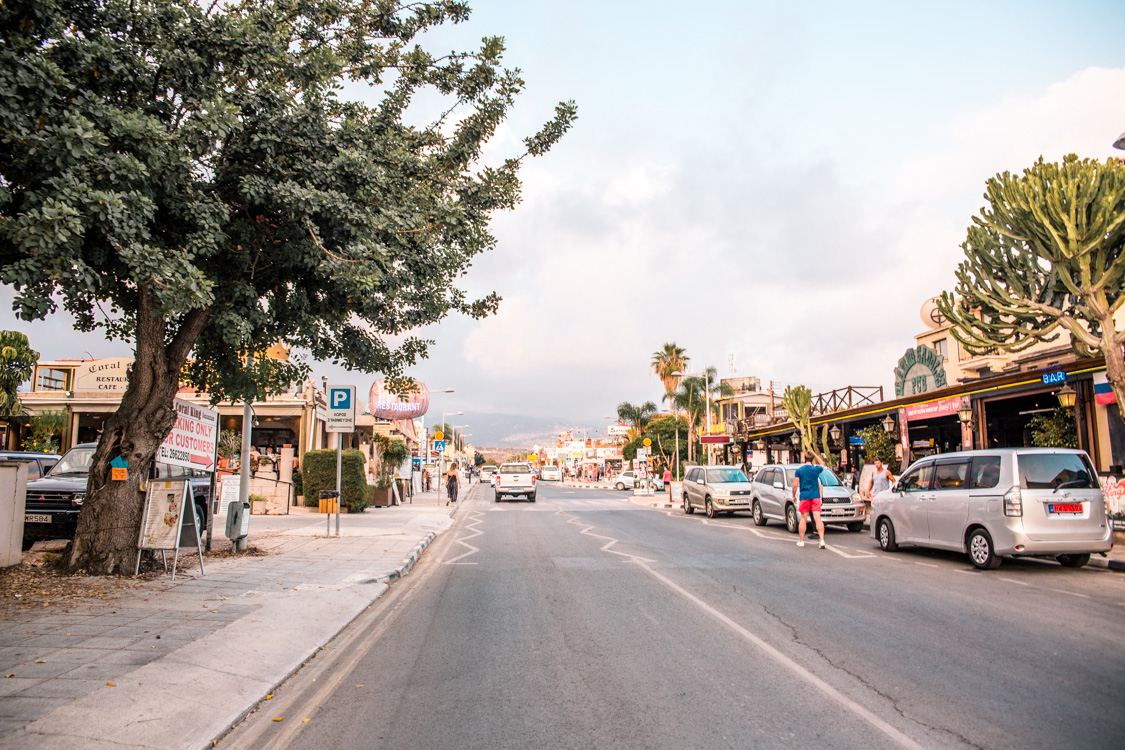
(1052, 471)
(828, 479)
(725, 476)
(76, 461)
(515, 469)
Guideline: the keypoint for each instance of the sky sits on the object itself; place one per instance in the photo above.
(778, 185)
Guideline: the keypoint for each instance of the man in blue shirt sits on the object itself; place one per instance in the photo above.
(807, 480)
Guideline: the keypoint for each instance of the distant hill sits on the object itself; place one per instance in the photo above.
(511, 432)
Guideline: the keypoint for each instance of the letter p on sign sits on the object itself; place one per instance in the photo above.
(341, 409)
(341, 398)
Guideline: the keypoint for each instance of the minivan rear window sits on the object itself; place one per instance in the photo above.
(1052, 471)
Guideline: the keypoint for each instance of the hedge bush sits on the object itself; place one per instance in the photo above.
(318, 472)
(298, 484)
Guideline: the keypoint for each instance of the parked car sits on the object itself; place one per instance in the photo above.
(54, 501)
(773, 499)
(1043, 502)
(38, 464)
(549, 473)
(716, 489)
(486, 474)
(628, 480)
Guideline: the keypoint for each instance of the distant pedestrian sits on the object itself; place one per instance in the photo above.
(881, 480)
(807, 480)
(668, 481)
(452, 484)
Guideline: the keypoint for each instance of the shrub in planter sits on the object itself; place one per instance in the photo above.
(318, 472)
(298, 484)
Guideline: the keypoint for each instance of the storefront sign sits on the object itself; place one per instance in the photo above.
(943, 408)
(103, 376)
(618, 430)
(191, 443)
(384, 404)
(920, 370)
(1054, 378)
(716, 439)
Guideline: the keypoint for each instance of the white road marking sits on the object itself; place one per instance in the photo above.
(1069, 593)
(926, 565)
(476, 516)
(1013, 580)
(883, 726)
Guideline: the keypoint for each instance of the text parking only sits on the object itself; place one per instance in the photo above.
(191, 443)
(341, 408)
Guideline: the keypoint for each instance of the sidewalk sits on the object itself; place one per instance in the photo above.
(156, 664)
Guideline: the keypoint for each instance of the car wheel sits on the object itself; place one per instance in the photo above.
(688, 507)
(497, 497)
(759, 519)
(710, 509)
(531, 497)
(200, 518)
(791, 521)
(620, 486)
(886, 534)
(981, 551)
(1073, 561)
(855, 526)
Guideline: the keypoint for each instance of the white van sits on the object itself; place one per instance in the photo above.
(1043, 502)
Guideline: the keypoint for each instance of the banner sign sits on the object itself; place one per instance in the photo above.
(384, 404)
(191, 443)
(943, 408)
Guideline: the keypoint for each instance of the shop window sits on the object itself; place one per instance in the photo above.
(51, 380)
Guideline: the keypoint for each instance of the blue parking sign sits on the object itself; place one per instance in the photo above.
(340, 398)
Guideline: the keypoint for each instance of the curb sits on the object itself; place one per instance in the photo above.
(408, 561)
(1098, 561)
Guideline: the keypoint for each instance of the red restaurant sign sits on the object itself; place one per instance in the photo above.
(943, 408)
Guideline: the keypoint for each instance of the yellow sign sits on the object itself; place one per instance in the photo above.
(533, 457)
(648, 442)
(439, 435)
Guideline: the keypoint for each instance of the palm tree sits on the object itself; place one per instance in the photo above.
(635, 416)
(669, 365)
(691, 398)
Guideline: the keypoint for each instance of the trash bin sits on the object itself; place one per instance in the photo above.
(329, 499)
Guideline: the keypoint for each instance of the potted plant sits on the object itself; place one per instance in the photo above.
(382, 497)
(230, 443)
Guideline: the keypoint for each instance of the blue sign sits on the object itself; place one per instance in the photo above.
(340, 398)
(1053, 378)
(855, 440)
(439, 446)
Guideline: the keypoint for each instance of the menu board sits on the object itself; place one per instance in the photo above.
(164, 509)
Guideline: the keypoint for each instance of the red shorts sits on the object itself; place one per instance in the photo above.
(807, 505)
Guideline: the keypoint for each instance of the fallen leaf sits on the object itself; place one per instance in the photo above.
(13, 674)
(40, 661)
(269, 697)
(359, 685)
(112, 684)
(304, 721)
(279, 718)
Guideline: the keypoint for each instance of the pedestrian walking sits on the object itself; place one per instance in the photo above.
(668, 481)
(452, 484)
(807, 480)
(426, 479)
(881, 480)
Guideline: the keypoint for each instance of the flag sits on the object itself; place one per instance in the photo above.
(1103, 392)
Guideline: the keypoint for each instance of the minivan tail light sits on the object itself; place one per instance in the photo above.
(1013, 502)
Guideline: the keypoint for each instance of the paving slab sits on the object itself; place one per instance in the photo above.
(215, 644)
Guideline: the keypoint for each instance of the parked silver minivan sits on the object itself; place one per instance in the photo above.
(1042, 502)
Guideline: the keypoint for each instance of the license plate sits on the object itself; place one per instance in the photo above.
(832, 513)
(1067, 508)
(36, 518)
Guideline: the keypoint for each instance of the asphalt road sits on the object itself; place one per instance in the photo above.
(584, 620)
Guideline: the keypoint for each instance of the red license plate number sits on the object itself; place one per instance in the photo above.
(1068, 508)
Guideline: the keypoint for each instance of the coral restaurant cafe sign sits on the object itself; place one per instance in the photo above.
(103, 376)
(920, 370)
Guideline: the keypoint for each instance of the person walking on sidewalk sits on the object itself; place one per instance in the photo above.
(807, 480)
(452, 484)
(668, 481)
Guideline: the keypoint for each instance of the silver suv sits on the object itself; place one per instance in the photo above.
(773, 499)
(716, 489)
(1013, 501)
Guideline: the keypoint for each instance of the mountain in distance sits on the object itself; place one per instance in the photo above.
(520, 430)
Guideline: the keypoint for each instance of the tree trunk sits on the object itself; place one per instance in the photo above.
(109, 524)
(1114, 363)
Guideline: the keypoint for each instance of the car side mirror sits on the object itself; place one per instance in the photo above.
(779, 485)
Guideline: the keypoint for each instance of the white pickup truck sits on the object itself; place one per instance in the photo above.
(514, 479)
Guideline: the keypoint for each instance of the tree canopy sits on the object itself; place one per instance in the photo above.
(669, 364)
(1046, 255)
(17, 362)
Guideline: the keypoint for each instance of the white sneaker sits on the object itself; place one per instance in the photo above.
(822, 544)
(801, 543)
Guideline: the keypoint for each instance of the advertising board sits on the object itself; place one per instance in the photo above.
(191, 443)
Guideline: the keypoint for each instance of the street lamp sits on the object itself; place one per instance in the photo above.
(1067, 396)
(889, 423)
(835, 433)
(965, 414)
(795, 439)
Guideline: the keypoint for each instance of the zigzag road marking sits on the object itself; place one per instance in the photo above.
(607, 546)
(477, 517)
(766, 535)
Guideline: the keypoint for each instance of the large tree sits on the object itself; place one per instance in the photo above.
(17, 362)
(1045, 255)
(636, 416)
(187, 175)
(692, 398)
(669, 363)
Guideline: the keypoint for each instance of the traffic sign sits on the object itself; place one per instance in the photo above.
(341, 408)
(191, 443)
(439, 446)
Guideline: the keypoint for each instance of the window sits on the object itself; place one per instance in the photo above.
(725, 476)
(51, 380)
(986, 471)
(1053, 471)
(765, 476)
(951, 476)
(941, 346)
(828, 479)
(515, 469)
(917, 480)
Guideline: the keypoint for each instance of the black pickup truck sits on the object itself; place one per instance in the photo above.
(54, 501)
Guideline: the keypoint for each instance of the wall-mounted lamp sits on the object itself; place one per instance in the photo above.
(835, 434)
(889, 423)
(965, 414)
(796, 439)
(1067, 396)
